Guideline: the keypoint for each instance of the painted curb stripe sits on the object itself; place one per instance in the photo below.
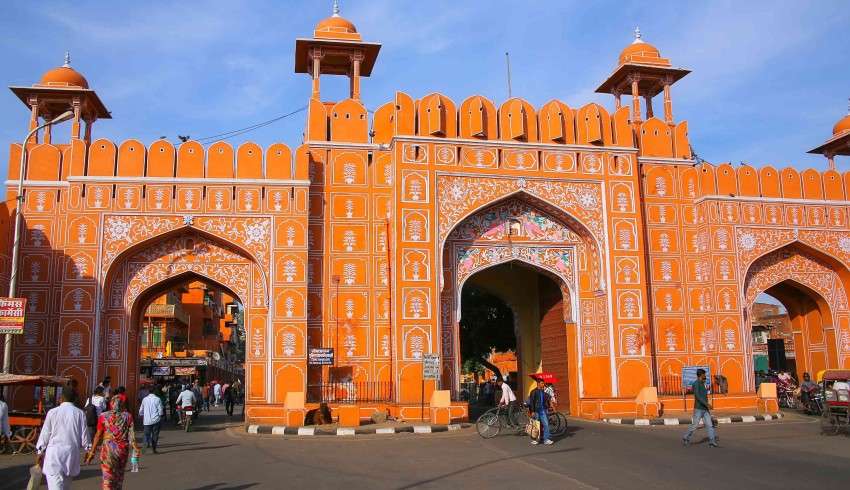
(421, 429)
(279, 430)
(724, 420)
(345, 431)
(385, 430)
(306, 431)
(671, 421)
(748, 418)
(252, 429)
(641, 421)
(684, 421)
(454, 427)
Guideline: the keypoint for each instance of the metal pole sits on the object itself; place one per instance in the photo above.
(16, 242)
(508, 65)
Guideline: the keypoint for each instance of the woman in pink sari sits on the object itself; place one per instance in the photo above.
(115, 429)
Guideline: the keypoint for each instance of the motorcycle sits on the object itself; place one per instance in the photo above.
(187, 416)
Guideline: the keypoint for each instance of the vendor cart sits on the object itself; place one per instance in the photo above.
(26, 425)
(835, 386)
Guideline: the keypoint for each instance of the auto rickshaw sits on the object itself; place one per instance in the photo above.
(26, 425)
(835, 385)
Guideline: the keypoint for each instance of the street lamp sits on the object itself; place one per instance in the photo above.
(16, 244)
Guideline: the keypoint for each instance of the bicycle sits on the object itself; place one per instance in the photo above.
(491, 422)
(557, 423)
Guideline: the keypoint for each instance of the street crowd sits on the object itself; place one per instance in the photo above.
(103, 426)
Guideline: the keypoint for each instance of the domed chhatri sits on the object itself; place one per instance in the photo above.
(640, 51)
(64, 76)
(843, 125)
(336, 27)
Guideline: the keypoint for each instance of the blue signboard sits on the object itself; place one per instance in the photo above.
(689, 375)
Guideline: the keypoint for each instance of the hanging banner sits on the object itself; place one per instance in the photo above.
(12, 315)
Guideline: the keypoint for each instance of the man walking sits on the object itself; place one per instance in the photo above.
(151, 412)
(63, 434)
(702, 411)
(539, 402)
(217, 393)
(229, 398)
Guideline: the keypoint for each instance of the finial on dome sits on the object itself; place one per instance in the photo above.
(67, 63)
(336, 8)
(637, 36)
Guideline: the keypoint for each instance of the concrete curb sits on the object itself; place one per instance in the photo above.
(736, 419)
(280, 430)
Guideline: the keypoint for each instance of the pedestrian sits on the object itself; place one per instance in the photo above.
(196, 390)
(173, 391)
(151, 412)
(115, 429)
(229, 398)
(106, 384)
(539, 403)
(702, 411)
(217, 393)
(5, 429)
(205, 393)
(63, 434)
(95, 405)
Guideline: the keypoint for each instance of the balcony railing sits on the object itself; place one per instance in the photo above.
(168, 311)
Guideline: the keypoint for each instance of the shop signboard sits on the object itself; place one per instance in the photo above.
(161, 371)
(320, 356)
(12, 315)
(184, 371)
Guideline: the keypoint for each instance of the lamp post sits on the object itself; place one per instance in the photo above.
(16, 243)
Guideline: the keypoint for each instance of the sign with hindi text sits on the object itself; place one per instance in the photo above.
(431, 366)
(12, 315)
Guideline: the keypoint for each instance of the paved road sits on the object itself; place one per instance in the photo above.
(786, 454)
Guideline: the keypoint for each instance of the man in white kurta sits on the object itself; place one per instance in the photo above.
(62, 436)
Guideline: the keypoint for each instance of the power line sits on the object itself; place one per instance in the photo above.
(236, 132)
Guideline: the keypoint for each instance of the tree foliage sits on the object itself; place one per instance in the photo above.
(486, 324)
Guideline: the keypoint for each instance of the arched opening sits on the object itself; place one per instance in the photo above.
(190, 328)
(173, 302)
(796, 301)
(513, 322)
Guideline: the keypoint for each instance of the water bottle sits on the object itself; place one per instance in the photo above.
(134, 461)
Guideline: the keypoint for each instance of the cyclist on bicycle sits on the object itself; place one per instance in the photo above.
(508, 398)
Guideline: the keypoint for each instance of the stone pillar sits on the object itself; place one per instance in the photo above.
(316, 56)
(89, 121)
(648, 100)
(356, 58)
(617, 102)
(75, 125)
(636, 117)
(668, 103)
(33, 120)
(830, 158)
(47, 131)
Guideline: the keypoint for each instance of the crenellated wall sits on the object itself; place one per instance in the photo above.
(516, 120)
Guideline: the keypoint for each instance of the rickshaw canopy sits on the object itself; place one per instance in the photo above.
(32, 380)
(834, 375)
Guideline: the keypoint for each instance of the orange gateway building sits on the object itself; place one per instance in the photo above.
(623, 258)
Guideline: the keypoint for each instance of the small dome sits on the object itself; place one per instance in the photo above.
(639, 48)
(841, 126)
(64, 76)
(640, 51)
(335, 23)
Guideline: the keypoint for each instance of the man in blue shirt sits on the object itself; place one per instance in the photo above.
(151, 411)
(702, 411)
(539, 402)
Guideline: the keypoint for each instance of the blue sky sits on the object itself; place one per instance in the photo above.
(769, 78)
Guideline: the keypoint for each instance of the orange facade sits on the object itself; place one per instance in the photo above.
(362, 238)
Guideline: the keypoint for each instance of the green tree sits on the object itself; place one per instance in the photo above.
(486, 324)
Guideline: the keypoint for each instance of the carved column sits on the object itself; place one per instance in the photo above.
(636, 117)
(33, 102)
(617, 102)
(75, 125)
(668, 103)
(648, 100)
(316, 57)
(356, 58)
(89, 121)
(47, 131)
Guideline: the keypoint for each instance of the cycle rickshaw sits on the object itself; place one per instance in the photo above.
(835, 386)
(26, 424)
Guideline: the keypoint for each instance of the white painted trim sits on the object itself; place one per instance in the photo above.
(608, 257)
(502, 144)
(182, 180)
(716, 197)
(666, 160)
(12, 185)
(344, 145)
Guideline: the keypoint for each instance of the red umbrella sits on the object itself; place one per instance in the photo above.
(545, 377)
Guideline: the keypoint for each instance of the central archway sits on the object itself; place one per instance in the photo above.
(540, 314)
(542, 245)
